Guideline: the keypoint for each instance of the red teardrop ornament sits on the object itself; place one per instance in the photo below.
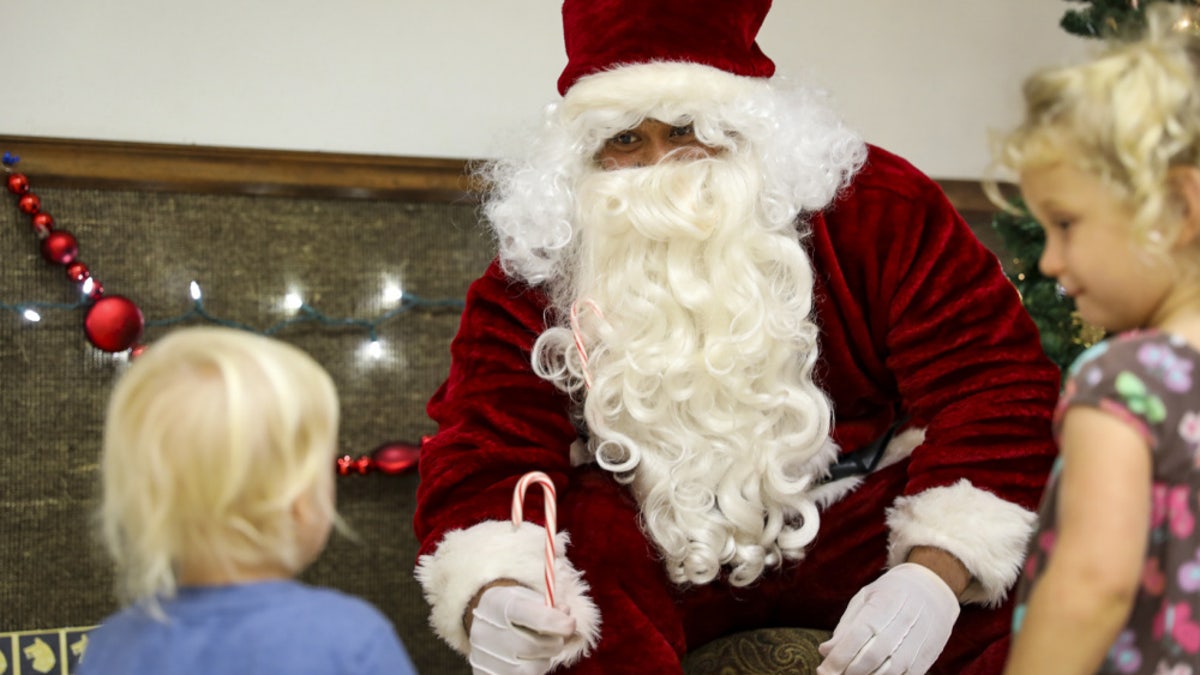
(396, 457)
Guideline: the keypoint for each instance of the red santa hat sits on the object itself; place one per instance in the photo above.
(606, 35)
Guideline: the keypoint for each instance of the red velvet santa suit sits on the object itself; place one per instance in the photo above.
(917, 320)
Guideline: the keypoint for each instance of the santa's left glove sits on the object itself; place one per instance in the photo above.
(898, 624)
(513, 632)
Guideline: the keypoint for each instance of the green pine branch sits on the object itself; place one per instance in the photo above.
(1054, 314)
(1108, 18)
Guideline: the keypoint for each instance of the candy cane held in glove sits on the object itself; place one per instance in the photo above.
(551, 514)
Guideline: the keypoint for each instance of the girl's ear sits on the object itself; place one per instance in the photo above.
(305, 509)
(1185, 187)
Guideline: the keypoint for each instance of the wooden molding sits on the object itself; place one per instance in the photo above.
(54, 162)
(967, 196)
(73, 163)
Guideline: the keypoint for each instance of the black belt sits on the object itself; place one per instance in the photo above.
(857, 463)
(864, 460)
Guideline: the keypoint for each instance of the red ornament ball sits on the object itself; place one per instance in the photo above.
(396, 457)
(78, 272)
(43, 222)
(29, 203)
(113, 323)
(59, 247)
(18, 184)
(96, 290)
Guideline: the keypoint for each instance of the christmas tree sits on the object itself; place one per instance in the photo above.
(1063, 334)
(1108, 18)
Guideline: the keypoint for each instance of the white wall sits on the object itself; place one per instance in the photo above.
(451, 78)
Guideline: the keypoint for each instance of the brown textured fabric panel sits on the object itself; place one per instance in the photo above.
(246, 252)
(766, 651)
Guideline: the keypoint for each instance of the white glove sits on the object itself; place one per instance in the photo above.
(514, 633)
(898, 624)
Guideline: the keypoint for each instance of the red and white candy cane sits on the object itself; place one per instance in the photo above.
(575, 332)
(551, 514)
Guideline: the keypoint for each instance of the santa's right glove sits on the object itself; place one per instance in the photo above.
(514, 633)
(896, 625)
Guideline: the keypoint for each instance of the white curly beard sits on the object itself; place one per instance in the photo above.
(693, 318)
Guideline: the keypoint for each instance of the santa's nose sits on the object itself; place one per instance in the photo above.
(656, 150)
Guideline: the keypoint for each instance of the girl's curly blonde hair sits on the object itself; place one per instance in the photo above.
(1127, 116)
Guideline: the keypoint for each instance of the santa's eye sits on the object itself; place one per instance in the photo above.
(627, 137)
(683, 131)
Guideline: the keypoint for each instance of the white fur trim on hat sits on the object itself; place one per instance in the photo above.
(467, 560)
(660, 89)
(986, 533)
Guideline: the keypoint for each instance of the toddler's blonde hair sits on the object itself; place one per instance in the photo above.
(1127, 116)
(210, 437)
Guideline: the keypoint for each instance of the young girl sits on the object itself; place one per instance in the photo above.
(218, 490)
(1108, 159)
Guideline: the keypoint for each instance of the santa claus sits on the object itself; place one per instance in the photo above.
(711, 301)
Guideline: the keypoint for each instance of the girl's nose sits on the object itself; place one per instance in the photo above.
(1051, 263)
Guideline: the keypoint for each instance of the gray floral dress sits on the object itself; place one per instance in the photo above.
(1145, 378)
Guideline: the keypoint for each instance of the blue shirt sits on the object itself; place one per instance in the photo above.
(250, 629)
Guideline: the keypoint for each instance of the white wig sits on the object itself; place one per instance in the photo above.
(806, 152)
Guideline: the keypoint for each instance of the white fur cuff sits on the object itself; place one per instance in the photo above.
(985, 532)
(467, 560)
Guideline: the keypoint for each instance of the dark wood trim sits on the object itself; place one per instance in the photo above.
(970, 200)
(55, 162)
(966, 195)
